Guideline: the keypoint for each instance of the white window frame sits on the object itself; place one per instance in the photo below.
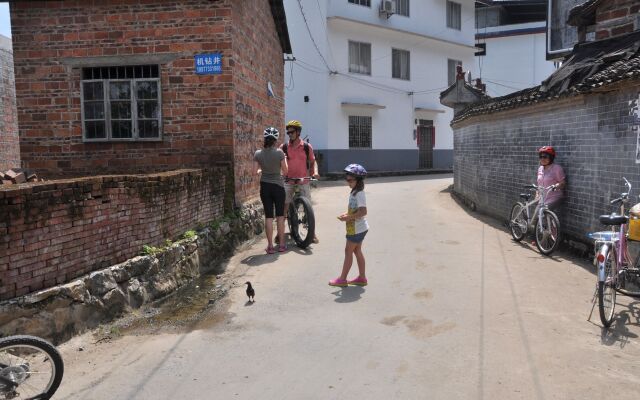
(399, 52)
(365, 3)
(360, 126)
(454, 15)
(403, 8)
(360, 66)
(134, 110)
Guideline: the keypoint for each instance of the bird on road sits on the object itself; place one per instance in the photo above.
(250, 292)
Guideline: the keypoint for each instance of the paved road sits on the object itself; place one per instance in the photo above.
(454, 310)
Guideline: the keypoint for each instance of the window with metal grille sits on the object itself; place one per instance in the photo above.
(400, 64)
(360, 58)
(359, 132)
(451, 70)
(402, 7)
(121, 103)
(361, 2)
(454, 15)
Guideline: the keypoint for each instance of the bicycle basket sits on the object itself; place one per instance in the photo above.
(634, 223)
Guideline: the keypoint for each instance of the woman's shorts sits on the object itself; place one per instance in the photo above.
(357, 238)
(272, 195)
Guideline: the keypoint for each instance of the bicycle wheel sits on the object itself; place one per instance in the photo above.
(302, 222)
(518, 222)
(548, 232)
(607, 290)
(30, 368)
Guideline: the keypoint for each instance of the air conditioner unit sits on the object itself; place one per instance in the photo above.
(387, 8)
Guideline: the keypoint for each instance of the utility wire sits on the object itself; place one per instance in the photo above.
(304, 17)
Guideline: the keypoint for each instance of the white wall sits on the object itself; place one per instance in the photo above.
(324, 118)
(513, 62)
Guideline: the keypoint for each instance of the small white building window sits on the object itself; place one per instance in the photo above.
(360, 58)
(402, 7)
(359, 132)
(451, 70)
(361, 2)
(454, 15)
(400, 64)
(121, 103)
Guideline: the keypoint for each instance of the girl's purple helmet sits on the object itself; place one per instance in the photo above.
(356, 169)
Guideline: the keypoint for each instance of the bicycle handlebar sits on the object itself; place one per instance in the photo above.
(287, 179)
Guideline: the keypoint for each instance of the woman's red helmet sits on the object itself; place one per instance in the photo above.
(547, 150)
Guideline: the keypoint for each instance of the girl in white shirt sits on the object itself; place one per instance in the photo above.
(357, 227)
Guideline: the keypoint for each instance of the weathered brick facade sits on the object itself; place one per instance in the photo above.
(616, 17)
(9, 147)
(207, 119)
(53, 232)
(596, 138)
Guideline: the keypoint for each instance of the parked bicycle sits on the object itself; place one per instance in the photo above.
(300, 216)
(545, 221)
(30, 368)
(616, 272)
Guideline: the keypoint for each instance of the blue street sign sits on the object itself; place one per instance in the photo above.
(207, 64)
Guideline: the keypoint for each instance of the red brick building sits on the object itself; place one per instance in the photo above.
(147, 85)
(9, 148)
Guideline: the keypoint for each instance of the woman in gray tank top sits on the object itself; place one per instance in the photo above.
(273, 165)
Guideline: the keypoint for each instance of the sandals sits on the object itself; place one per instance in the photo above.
(270, 250)
(358, 281)
(338, 282)
(282, 248)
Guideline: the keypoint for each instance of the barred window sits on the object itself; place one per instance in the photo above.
(454, 15)
(121, 103)
(402, 7)
(359, 132)
(400, 64)
(451, 70)
(360, 58)
(361, 2)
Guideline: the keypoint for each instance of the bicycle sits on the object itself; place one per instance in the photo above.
(613, 262)
(30, 368)
(300, 216)
(547, 224)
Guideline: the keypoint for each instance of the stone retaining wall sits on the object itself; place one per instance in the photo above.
(62, 311)
(54, 232)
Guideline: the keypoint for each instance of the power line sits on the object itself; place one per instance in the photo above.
(304, 17)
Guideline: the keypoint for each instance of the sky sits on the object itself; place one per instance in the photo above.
(5, 22)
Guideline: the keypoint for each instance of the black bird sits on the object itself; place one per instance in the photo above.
(250, 292)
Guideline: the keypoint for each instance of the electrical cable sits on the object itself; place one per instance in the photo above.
(304, 17)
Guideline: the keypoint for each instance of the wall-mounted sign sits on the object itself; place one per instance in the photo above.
(207, 64)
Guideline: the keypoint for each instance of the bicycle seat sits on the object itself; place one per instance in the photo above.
(613, 219)
(525, 196)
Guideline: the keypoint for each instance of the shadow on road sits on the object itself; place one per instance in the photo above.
(618, 333)
(259, 259)
(348, 294)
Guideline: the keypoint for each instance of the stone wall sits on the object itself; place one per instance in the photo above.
(53, 232)
(62, 311)
(9, 147)
(596, 137)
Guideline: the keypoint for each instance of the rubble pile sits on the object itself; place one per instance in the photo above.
(16, 176)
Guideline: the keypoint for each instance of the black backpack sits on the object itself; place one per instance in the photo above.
(285, 146)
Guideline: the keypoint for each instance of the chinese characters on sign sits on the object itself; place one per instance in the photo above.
(208, 63)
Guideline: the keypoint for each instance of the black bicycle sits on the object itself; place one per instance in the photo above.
(300, 217)
(30, 368)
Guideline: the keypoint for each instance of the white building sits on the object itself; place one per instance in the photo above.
(365, 84)
(514, 34)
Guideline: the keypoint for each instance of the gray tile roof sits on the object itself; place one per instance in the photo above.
(589, 67)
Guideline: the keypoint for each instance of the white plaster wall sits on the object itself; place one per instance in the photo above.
(513, 62)
(324, 118)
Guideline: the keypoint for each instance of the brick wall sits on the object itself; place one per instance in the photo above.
(197, 110)
(259, 60)
(616, 17)
(53, 232)
(596, 139)
(9, 148)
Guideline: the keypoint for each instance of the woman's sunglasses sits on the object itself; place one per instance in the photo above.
(349, 179)
(544, 156)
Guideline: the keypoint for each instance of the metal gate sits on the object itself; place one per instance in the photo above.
(426, 138)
